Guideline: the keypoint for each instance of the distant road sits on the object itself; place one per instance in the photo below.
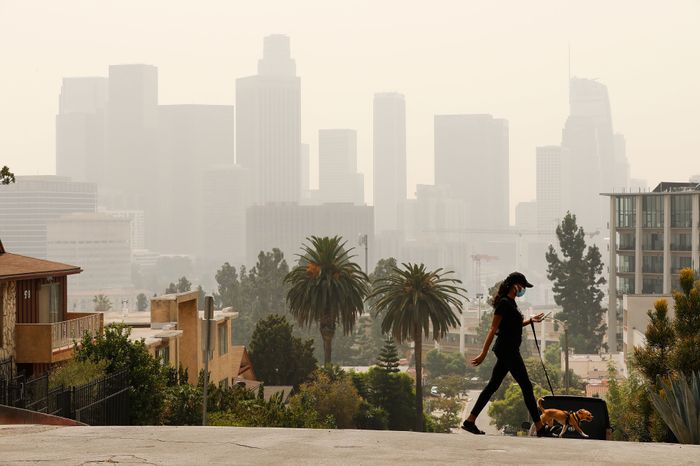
(483, 421)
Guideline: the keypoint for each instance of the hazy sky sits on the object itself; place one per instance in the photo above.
(507, 58)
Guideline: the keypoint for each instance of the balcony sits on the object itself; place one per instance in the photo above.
(53, 342)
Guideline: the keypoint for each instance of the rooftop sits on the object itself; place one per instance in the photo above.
(29, 444)
(16, 267)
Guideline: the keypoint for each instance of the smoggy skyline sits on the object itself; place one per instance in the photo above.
(502, 58)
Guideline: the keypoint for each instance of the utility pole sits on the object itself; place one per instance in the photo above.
(479, 297)
(208, 316)
(362, 241)
(566, 360)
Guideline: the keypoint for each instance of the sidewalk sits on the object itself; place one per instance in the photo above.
(230, 445)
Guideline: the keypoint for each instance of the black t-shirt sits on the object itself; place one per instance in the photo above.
(510, 330)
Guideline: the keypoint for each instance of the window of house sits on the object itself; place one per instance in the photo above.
(50, 302)
(653, 241)
(625, 264)
(681, 242)
(626, 212)
(652, 285)
(223, 339)
(626, 242)
(163, 355)
(680, 262)
(625, 285)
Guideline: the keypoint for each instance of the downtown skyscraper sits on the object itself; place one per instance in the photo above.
(472, 160)
(268, 125)
(389, 147)
(337, 160)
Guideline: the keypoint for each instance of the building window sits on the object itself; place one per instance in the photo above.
(625, 264)
(652, 285)
(625, 285)
(681, 242)
(626, 242)
(626, 212)
(681, 211)
(653, 241)
(163, 355)
(680, 262)
(653, 212)
(223, 339)
(49, 302)
(653, 264)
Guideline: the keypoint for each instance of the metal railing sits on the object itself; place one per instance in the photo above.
(66, 332)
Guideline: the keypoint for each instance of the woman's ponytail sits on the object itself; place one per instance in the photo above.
(502, 291)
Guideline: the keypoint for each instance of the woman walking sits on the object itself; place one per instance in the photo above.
(508, 325)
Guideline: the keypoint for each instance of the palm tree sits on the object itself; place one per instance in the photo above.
(414, 300)
(326, 287)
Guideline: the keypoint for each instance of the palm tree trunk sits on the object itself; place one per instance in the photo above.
(327, 334)
(418, 351)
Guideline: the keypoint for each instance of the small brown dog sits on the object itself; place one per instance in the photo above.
(564, 418)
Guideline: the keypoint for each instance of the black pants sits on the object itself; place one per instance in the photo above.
(514, 364)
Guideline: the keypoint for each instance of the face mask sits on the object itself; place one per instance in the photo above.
(520, 293)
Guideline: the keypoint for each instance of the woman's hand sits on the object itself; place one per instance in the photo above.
(538, 317)
(479, 359)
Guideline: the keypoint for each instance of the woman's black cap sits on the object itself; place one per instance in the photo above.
(517, 277)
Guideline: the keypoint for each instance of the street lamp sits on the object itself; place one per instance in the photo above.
(566, 353)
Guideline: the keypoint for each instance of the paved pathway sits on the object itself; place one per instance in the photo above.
(229, 445)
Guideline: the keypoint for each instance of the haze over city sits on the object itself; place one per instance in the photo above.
(508, 59)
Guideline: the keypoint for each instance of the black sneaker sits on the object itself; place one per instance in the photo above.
(544, 432)
(472, 428)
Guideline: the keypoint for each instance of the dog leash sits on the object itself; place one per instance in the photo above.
(534, 334)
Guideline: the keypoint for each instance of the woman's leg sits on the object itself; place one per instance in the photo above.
(519, 373)
(499, 372)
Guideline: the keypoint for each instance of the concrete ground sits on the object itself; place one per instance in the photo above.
(30, 444)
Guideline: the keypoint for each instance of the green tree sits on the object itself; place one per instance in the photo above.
(6, 176)
(333, 395)
(446, 414)
(511, 410)
(451, 385)
(653, 359)
(75, 373)
(392, 392)
(327, 288)
(577, 282)
(182, 286)
(388, 359)
(147, 379)
(278, 357)
(102, 303)
(439, 363)
(141, 302)
(414, 300)
(685, 357)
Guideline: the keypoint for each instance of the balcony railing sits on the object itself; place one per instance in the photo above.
(65, 333)
(51, 342)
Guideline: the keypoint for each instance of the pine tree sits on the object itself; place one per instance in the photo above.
(685, 356)
(388, 359)
(577, 286)
(653, 359)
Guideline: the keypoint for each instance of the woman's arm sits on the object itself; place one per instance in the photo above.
(537, 318)
(489, 338)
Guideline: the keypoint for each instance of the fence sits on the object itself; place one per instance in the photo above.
(101, 402)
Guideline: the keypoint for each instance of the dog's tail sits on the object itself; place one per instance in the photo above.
(539, 403)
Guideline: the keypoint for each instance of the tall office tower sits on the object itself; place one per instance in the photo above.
(191, 139)
(337, 166)
(588, 134)
(471, 157)
(552, 192)
(268, 125)
(305, 166)
(222, 214)
(29, 204)
(99, 243)
(136, 226)
(80, 129)
(389, 150)
(131, 159)
(526, 216)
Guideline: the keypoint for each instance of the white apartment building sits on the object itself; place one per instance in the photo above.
(653, 236)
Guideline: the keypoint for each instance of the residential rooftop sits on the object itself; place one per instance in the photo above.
(18, 267)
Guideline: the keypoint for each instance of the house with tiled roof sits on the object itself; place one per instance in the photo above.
(36, 329)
